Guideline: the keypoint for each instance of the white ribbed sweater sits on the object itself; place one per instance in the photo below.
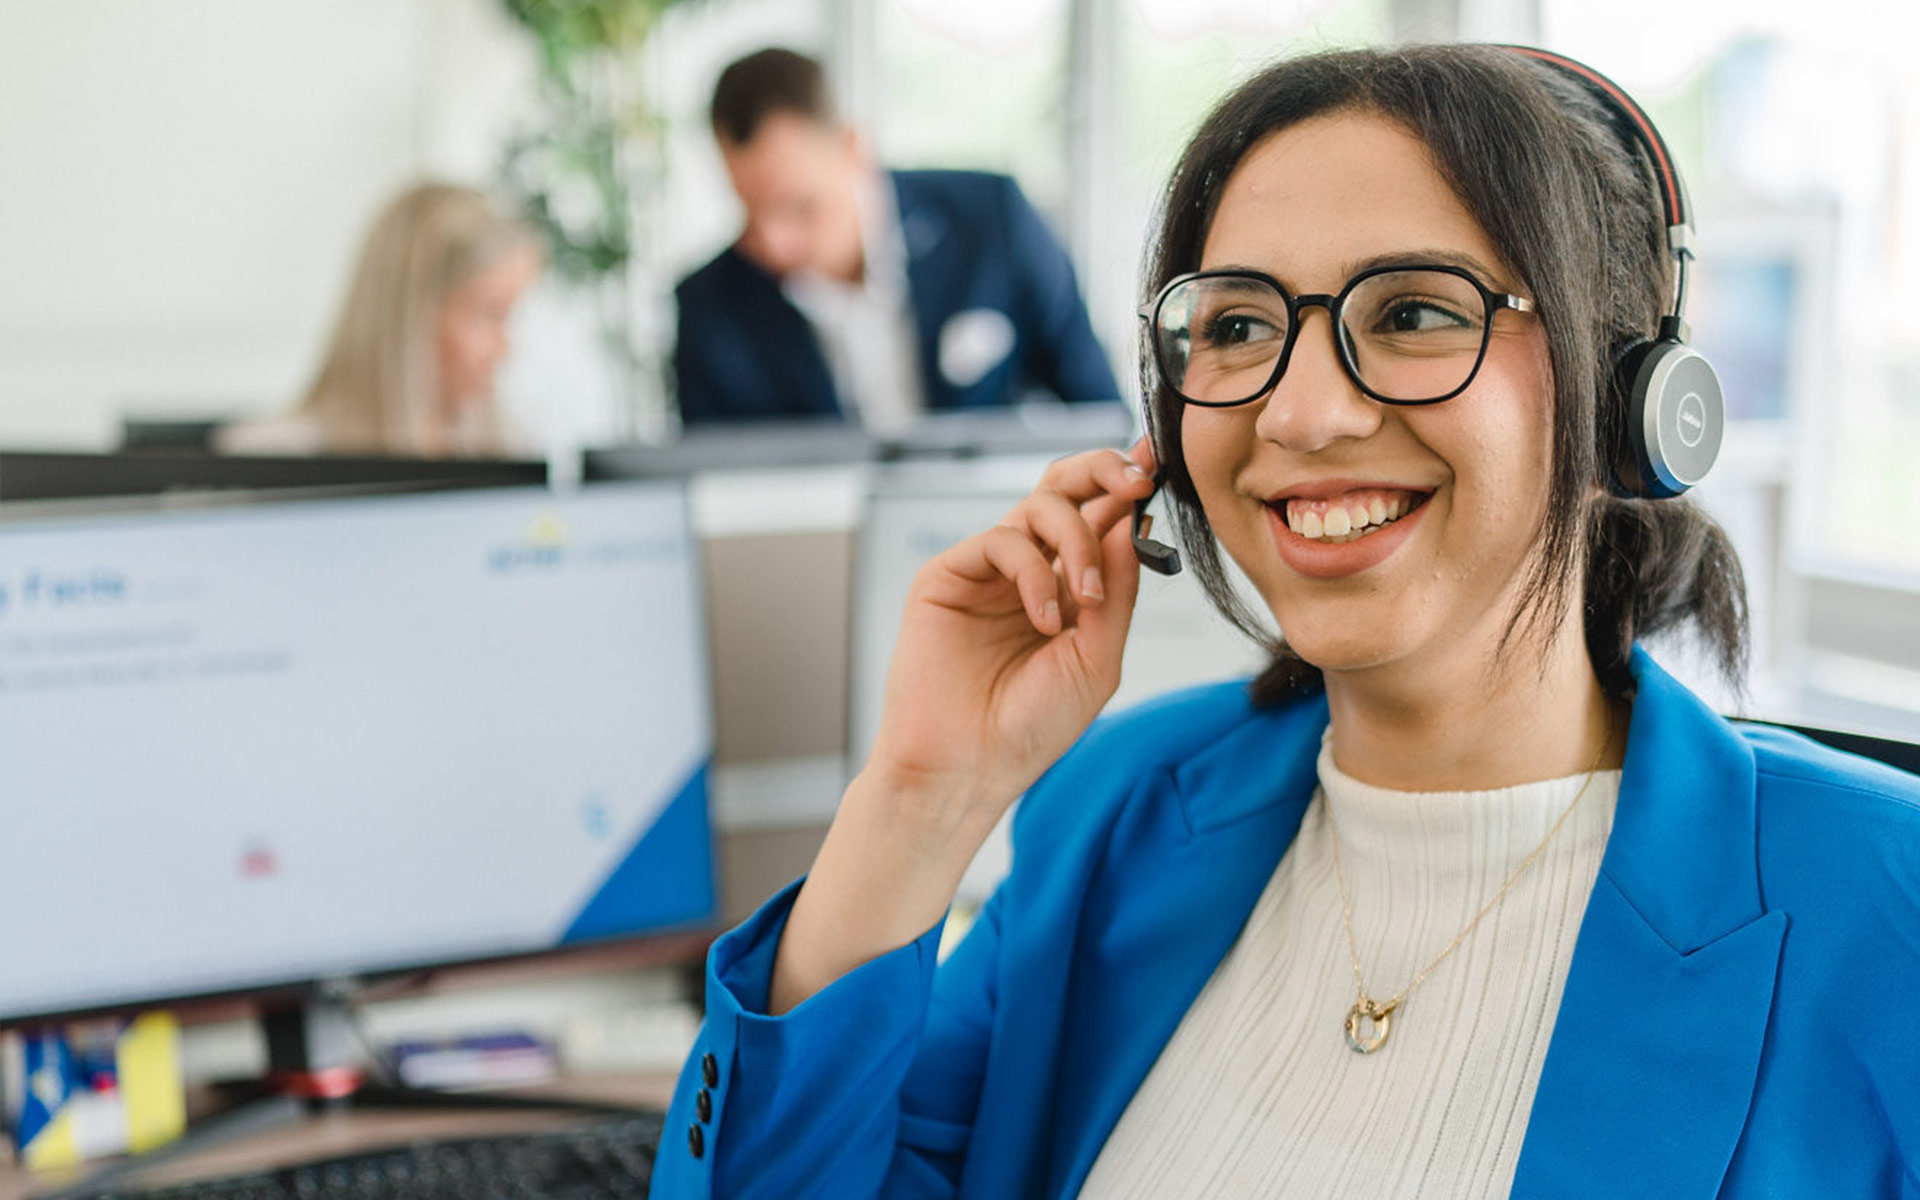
(1257, 1093)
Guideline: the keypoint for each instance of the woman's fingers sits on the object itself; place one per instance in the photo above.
(1105, 627)
(1016, 557)
(1078, 500)
(1084, 477)
(1060, 527)
(1129, 479)
(1050, 546)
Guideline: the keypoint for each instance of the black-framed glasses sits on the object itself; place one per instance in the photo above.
(1405, 334)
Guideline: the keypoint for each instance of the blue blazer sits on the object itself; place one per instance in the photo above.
(1738, 1020)
(744, 351)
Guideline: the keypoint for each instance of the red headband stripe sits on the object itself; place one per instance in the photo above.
(1649, 136)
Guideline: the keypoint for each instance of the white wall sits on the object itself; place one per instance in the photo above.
(185, 185)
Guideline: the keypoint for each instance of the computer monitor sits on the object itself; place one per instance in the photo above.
(1043, 429)
(249, 747)
(44, 475)
(1047, 429)
(755, 446)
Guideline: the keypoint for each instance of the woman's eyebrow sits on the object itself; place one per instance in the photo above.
(1430, 257)
(1391, 258)
(1239, 268)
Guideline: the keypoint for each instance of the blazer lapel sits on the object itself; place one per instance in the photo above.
(1656, 1047)
(1168, 913)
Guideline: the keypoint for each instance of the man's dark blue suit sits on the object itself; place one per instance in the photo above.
(973, 242)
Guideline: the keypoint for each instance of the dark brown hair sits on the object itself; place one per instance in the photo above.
(1570, 203)
(768, 82)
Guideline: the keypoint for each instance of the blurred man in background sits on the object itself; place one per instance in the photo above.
(876, 296)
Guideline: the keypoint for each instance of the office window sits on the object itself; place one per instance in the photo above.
(1799, 130)
(1175, 59)
(976, 85)
(1179, 56)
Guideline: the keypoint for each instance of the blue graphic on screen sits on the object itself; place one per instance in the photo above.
(663, 881)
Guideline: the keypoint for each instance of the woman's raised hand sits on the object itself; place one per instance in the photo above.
(1009, 647)
(1011, 640)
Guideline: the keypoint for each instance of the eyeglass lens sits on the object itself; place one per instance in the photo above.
(1409, 335)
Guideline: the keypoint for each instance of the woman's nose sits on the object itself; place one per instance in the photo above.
(1315, 403)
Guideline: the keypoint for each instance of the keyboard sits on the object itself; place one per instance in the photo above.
(611, 1159)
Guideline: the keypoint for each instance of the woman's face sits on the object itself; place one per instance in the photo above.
(471, 329)
(1433, 589)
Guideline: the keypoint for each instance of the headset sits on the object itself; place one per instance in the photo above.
(1676, 414)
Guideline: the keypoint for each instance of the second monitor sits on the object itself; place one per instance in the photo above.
(263, 745)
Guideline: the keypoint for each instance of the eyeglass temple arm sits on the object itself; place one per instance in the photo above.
(1157, 557)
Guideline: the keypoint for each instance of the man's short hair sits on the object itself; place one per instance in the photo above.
(765, 83)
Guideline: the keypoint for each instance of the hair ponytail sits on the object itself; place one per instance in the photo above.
(1653, 566)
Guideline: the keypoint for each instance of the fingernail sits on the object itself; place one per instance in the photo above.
(1090, 585)
(1050, 614)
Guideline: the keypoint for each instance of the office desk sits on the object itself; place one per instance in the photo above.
(349, 1131)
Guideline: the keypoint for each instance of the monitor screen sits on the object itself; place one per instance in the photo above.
(256, 746)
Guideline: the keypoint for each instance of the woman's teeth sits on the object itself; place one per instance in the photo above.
(1349, 517)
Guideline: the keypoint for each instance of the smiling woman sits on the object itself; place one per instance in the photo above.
(1419, 606)
(1433, 906)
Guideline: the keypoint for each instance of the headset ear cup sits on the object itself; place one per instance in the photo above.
(1674, 419)
(1619, 448)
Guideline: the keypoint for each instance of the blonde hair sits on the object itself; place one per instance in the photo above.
(377, 390)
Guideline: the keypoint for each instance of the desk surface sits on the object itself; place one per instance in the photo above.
(348, 1131)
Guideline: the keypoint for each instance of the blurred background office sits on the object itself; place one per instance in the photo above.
(187, 184)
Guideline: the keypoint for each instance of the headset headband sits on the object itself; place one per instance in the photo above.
(1672, 189)
(1673, 192)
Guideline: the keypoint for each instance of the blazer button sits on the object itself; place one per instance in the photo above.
(710, 1070)
(696, 1141)
(703, 1104)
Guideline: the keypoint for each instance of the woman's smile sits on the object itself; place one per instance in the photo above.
(1348, 516)
(1332, 528)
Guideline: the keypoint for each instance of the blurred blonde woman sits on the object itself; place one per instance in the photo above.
(410, 367)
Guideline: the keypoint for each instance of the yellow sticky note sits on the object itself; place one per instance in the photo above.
(147, 1057)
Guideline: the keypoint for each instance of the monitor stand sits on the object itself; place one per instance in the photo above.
(316, 1059)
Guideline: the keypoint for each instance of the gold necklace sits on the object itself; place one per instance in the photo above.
(1379, 1013)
